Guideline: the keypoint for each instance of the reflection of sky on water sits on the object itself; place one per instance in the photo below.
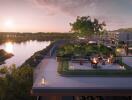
(9, 47)
(22, 51)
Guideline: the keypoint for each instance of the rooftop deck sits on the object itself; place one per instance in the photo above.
(47, 69)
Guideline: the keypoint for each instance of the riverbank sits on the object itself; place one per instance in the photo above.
(23, 37)
(36, 58)
(4, 55)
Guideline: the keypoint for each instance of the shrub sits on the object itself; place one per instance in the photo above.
(3, 70)
(17, 84)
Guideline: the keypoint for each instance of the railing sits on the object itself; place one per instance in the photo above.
(55, 46)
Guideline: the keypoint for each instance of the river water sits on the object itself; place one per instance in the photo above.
(22, 51)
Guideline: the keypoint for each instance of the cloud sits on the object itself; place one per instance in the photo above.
(72, 7)
(94, 8)
(109, 11)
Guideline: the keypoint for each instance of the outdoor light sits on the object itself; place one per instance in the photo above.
(122, 67)
(109, 60)
(94, 61)
(43, 81)
(118, 50)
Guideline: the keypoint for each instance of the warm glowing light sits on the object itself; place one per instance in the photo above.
(118, 50)
(43, 81)
(9, 47)
(95, 61)
(9, 24)
(109, 61)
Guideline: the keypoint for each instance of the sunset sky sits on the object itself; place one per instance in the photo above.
(55, 15)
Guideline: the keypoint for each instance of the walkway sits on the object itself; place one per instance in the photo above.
(127, 60)
(48, 69)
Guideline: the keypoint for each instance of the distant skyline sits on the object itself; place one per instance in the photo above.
(55, 15)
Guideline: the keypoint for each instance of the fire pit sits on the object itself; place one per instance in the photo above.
(94, 62)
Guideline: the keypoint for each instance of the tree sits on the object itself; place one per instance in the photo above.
(85, 26)
(17, 84)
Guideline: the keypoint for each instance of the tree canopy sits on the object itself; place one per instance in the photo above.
(17, 83)
(85, 26)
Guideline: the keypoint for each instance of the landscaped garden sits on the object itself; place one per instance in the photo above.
(85, 52)
(90, 59)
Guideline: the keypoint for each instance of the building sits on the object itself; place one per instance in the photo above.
(49, 85)
(126, 37)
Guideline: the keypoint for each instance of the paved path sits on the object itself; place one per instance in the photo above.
(127, 60)
(48, 69)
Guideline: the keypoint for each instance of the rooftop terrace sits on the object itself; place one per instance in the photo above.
(47, 70)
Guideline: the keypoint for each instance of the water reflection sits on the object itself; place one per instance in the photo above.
(9, 47)
(22, 51)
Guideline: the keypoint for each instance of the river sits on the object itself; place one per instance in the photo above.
(22, 51)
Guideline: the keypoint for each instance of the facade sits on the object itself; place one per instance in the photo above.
(110, 36)
(126, 37)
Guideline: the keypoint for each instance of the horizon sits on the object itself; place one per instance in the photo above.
(34, 16)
